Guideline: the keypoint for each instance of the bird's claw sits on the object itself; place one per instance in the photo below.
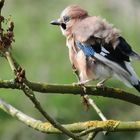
(81, 85)
(82, 82)
(76, 84)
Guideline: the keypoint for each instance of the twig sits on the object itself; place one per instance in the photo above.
(93, 104)
(92, 135)
(96, 108)
(89, 130)
(1, 6)
(10, 61)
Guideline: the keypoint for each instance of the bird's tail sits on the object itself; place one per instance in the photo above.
(134, 55)
(132, 79)
(137, 86)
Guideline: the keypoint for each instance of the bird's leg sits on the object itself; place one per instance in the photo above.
(81, 84)
(76, 72)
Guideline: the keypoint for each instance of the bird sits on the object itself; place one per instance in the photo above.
(97, 50)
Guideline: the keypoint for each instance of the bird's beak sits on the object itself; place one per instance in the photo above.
(55, 22)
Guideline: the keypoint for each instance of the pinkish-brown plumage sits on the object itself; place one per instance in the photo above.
(100, 29)
(74, 11)
(96, 49)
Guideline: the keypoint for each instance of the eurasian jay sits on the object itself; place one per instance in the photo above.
(97, 51)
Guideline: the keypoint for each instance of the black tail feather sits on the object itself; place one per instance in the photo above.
(126, 49)
(137, 86)
(134, 55)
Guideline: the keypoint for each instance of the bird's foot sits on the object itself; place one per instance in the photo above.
(80, 84)
(100, 85)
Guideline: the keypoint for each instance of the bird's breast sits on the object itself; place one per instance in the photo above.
(88, 68)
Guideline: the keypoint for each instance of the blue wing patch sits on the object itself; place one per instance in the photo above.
(86, 48)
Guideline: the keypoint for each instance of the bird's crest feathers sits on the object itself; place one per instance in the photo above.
(74, 11)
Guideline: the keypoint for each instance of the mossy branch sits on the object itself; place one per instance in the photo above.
(86, 127)
(75, 90)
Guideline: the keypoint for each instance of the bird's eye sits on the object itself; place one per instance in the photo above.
(66, 18)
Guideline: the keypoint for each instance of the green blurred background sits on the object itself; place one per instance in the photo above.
(40, 49)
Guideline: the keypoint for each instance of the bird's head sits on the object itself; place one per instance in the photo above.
(69, 16)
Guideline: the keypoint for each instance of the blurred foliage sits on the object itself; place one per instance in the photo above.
(40, 49)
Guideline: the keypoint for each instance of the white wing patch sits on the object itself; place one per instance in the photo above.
(104, 52)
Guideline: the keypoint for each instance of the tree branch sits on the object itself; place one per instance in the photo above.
(75, 90)
(87, 127)
(90, 90)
